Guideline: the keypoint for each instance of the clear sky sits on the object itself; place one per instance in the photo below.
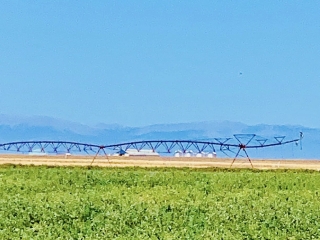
(137, 63)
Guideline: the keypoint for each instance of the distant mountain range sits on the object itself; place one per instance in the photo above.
(16, 128)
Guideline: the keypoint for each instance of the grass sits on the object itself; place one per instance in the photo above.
(155, 203)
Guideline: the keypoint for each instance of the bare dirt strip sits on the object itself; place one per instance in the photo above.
(143, 161)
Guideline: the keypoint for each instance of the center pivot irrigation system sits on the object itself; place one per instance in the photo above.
(239, 143)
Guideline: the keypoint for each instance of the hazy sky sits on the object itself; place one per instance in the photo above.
(144, 62)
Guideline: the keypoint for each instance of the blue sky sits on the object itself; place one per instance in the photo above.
(137, 63)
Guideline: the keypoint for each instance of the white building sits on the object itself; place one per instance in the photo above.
(212, 155)
(142, 152)
(37, 152)
(192, 154)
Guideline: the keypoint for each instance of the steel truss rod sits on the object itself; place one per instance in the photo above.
(47, 146)
(101, 148)
(243, 148)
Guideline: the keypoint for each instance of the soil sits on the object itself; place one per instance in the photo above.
(146, 161)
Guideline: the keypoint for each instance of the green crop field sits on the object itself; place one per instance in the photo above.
(155, 203)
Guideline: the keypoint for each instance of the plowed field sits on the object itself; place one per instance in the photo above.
(143, 161)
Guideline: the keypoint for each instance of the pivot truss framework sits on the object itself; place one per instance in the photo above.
(239, 143)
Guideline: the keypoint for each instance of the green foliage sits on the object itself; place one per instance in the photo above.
(156, 203)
